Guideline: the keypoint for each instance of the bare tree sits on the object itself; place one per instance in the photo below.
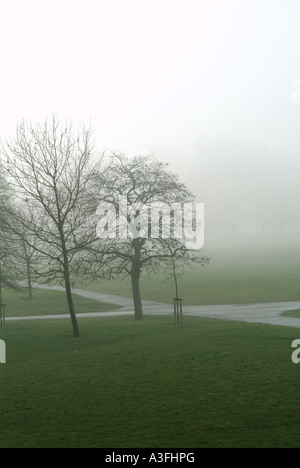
(9, 267)
(6, 194)
(179, 260)
(26, 245)
(50, 166)
(132, 240)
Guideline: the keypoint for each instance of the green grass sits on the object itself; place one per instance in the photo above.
(124, 383)
(49, 302)
(207, 383)
(292, 313)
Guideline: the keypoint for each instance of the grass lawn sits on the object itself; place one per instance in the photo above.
(151, 384)
(292, 313)
(50, 302)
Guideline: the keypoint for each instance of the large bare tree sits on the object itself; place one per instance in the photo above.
(49, 164)
(133, 237)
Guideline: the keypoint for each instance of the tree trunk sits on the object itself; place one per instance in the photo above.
(68, 288)
(71, 307)
(135, 280)
(135, 283)
(175, 277)
(29, 282)
(67, 279)
(1, 298)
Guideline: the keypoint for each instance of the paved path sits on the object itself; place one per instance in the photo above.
(255, 313)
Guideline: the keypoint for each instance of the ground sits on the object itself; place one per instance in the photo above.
(205, 383)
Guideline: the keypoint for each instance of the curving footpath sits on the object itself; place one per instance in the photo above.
(269, 313)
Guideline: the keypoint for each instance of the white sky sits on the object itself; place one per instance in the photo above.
(154, 75)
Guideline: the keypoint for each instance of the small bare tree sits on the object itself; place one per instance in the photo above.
(179, 260)
(50, 166)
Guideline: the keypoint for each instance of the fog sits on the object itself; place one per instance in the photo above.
(209, 86)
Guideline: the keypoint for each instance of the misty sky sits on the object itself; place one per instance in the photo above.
(170, 77)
